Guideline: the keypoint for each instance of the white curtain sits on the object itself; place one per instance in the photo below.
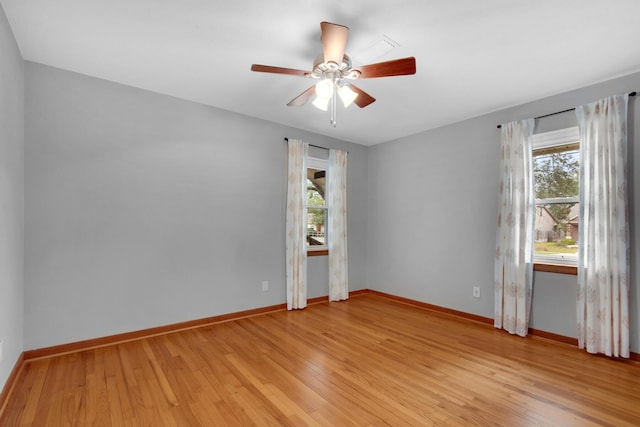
(337, 238)
(296, 221)
(603, 254)
(514, 240)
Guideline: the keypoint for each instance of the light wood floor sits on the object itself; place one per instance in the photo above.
(367, 361)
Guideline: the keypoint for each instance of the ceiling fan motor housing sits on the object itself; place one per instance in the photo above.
(322, 69)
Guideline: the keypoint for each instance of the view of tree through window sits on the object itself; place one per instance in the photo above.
(556, 177)
(316, 207)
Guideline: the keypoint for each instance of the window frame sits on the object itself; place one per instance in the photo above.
(319, 164)
(555, 142)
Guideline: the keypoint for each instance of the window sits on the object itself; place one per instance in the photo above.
(316, 204)
(556, 167)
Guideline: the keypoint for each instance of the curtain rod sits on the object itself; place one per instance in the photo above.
(563, 111)
(311, 145)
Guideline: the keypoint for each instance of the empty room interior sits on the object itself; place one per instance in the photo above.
(193, 232)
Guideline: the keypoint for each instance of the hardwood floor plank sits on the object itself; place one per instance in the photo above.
(279, 399)
(366, 361)
(159, 374)
(32, 382)
(73, 400)
(98, 411)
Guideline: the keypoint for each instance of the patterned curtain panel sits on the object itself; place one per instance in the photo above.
(603, 254)
(337, 183)
(296, 221)
(514, 240)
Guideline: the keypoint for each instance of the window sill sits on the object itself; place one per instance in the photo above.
(556, 268)
(317, 252)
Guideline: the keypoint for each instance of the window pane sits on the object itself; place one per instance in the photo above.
(316, 234)
(316, 184)
(316, 217)
(556, 229)
(556, 174)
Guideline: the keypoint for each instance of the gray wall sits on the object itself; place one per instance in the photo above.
(11, 198)
(144, 210)
(432, 212)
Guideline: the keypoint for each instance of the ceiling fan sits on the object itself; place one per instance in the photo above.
(333, 70)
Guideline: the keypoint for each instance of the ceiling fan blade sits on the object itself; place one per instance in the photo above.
(363, 98)
(302, 99)
(334, 41)
(278, 70)
(396, 67)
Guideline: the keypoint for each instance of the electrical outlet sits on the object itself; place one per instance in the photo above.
(476, 291)
(265, 285)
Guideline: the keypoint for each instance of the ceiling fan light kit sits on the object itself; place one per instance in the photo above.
(333, 70)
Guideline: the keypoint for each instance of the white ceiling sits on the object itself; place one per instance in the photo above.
(473, 57)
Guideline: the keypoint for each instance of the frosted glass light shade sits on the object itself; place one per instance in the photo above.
(347, 95)
(324, 88)
(321, 103)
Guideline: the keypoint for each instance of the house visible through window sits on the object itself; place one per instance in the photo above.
(316, 203)
(556, 167)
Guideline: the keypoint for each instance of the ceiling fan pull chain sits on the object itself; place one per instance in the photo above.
(333, 102)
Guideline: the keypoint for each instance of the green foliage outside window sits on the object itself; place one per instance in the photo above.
(315, 199)
(556, 175)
